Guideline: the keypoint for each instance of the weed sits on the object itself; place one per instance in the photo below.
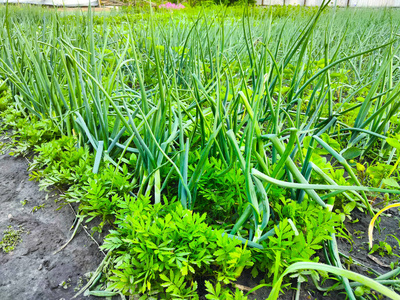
(11, 238)
(37, 207)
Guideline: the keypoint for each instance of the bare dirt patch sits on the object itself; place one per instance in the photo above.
(32, 271)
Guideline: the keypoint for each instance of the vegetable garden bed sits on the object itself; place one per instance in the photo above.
(210, 145)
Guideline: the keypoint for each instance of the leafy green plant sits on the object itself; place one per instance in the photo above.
(27, 133)
(383, 248)
(162, 248)
(5, 95)
(217, 292)
(11, 238)
(296, 240)
(38, 207)
(60, 162)
(225, 193)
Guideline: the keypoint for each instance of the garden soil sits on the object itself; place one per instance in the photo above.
(33, 272)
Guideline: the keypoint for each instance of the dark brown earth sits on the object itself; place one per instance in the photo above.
(33, 272)
(359, 231)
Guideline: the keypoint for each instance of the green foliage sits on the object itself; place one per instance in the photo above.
(5, 96)
(383, 248)
(60, 162)
(162, 248)
(11, 238)
(313, 227)
(26, 132)
(377, 172)
(220, 293)
(226, 193)
(101, 193)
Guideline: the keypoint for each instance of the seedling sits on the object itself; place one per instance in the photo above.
(11, 238)
(36, 208)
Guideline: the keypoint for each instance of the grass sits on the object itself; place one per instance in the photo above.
(252, 116)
